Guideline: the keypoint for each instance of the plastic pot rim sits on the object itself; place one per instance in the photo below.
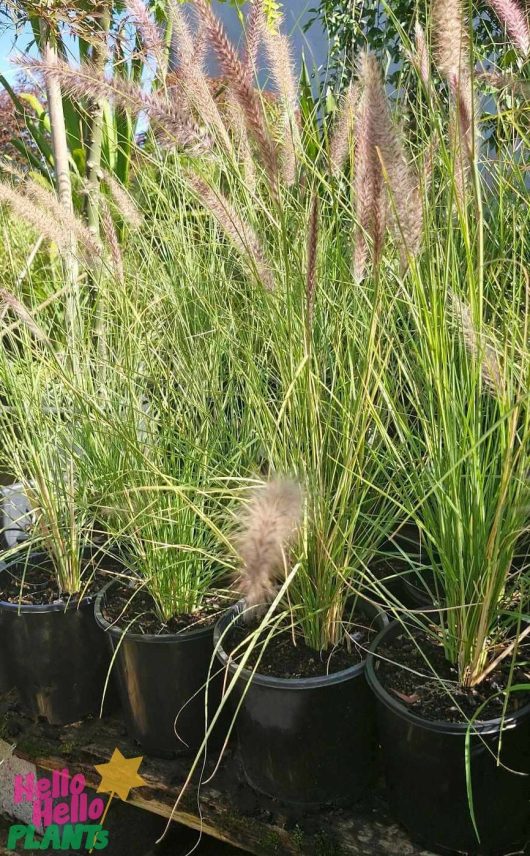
(271, 680)
(60, 605)
(488, 726)
(118, 632)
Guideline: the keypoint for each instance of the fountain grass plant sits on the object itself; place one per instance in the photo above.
(459, 375)
(274, 265)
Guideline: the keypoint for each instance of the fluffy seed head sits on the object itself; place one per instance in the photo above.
(239, 80)
(422, 54)
(344, 123)
(123, 201)
(479, 347)
(369, 188)
(24, 316)
(515, 20)
(175, 125)
(149, 31)
(451, 37)
(267, 528)
(111, 240)
(237, 230)
(41, 218)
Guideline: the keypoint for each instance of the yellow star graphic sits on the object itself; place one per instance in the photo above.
(119, 775)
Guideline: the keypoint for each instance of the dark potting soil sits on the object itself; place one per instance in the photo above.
(35, 582)
(442, 698)
(125, 604)
(283, 658)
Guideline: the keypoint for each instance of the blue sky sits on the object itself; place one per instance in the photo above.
(6, 46)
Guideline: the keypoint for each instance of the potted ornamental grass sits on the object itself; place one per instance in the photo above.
(57, 657)
(451, 676)
(301, 366)
(159, 615)
(310, 531)
(156, 465)
(309, 527)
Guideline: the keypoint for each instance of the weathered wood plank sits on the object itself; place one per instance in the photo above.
(229, 810)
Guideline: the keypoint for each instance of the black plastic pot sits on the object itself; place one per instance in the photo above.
(425, 772)
(5, 679)
(57, 657)
(308, 742)
(160, 677)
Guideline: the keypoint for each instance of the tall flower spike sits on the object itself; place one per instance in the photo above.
(515, 20)
(462, 131)
(454, 62)
(450, 37)
(112, 242)
(238, 80)
(238, 128)
(48, 200)
(176, 126)
(479, 347)
(238, 231)
(253, 34)
(24, 316)
(369, 188)
(342, 130)
(381, 150)
(282, 71)
(192, 79)
(267, 528)
(422, 54)
(148, 30)
(123, 201)
(38, 218)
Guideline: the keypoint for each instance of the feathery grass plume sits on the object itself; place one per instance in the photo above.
(429, 156)
(123, 201)
(193, 82)
(238, 127)
(282, 71)
(382, 160)
(36, 216)
(253, 33)
(479, 347)
(68, 222)
(111, 239)
(312, 251)
(498, 80)
(200, 42)
(342, 129)
(421, 57)
(378, 132)
(369, 189)
(450, 37)
(11, 302)
(267, 528)
(454, 62)
(149, 32)
(238, 231)
(238, 79)
(175, 125)
(515, 20)
(462, 131)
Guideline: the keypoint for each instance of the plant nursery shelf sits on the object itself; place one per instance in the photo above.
(229, 810)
